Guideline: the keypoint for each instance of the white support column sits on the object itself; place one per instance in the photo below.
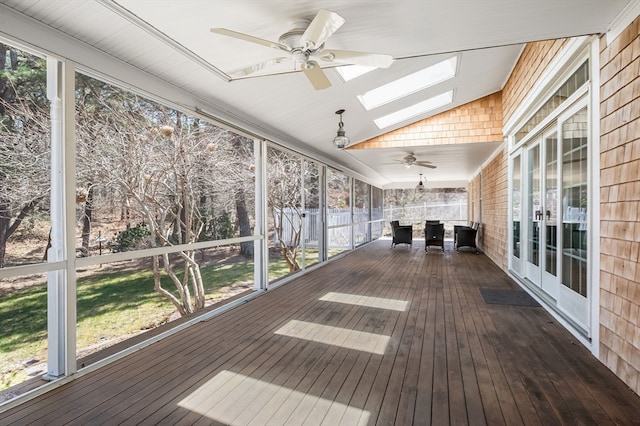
(593, 215)
(303, 219)
(352, 232)
(261, 252)
(61, 284)
(323, 236)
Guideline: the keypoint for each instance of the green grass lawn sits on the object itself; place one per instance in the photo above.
(109, 306)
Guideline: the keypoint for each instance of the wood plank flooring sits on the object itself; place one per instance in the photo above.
(381, 336)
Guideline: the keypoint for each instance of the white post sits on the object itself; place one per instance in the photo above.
(261, 252)
(352, 233)
(61, 289)
(323, 233)
(303, 220)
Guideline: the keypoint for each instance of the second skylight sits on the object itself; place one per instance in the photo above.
(409, 84)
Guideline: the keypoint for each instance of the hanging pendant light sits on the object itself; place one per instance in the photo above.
(420, 185)
(341, 141)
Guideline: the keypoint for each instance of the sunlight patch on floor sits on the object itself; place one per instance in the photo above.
(343, 337)
(236, 399)
(370, 302)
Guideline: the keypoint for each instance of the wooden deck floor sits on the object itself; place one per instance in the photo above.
(380, 336)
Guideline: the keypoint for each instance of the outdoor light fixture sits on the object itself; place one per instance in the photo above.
(420, 185)
(341, 141)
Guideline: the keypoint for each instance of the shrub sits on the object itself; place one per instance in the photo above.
(223, 226)
(130, 238)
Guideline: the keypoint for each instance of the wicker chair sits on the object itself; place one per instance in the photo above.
(466, 237)
(401, 234)
(434, 236)
(455, 233)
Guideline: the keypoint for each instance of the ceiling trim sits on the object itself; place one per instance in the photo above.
(162, 37)
(626, 17)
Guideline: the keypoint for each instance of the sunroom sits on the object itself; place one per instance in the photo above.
(167, 162)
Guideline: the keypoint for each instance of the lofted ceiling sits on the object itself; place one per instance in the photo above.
(170, 42)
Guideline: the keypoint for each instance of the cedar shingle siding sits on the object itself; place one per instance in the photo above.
(620, 205)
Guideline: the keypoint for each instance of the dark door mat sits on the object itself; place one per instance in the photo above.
(494, 296)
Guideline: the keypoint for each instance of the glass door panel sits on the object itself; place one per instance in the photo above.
(516, 213)
(574, 201)
(534, 213)
(542, 212)
(549, 214)
(574, 217)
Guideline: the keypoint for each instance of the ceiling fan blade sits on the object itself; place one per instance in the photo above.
(251, 39)
(320, 29)
(356, 58)
(316, 76)
(421, 162)
(429, 166)
(242, 72)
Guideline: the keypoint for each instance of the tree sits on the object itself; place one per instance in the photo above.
(24, 144)
(163, 186)
(93, 111)
(284, 195)
(176, 173)
(242, 154)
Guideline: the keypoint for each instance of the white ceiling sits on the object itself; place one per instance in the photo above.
(170, 42)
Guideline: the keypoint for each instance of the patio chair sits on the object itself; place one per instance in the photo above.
(467, 238)
(401, 234)
(455, 233)
(434, 236)
(456, 228)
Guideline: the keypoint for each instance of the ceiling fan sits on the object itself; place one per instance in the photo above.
(305, 45)
(411, 160)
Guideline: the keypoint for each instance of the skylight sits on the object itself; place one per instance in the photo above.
(349, 72)
(409, 84)
(414, 110)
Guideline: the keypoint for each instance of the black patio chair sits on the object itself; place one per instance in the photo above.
(455, 233)
(467, 238)
(434, 235)
(401, 234)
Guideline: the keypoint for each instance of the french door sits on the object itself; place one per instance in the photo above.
(549, 217)
(541, 206)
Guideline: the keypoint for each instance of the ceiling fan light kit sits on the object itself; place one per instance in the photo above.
(305, 44)
(341, 141)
